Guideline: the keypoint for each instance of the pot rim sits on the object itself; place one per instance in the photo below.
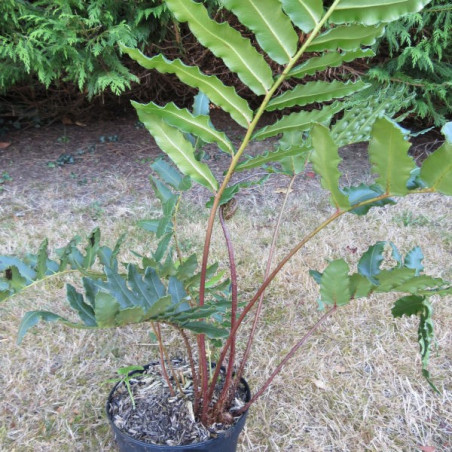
(163, 447)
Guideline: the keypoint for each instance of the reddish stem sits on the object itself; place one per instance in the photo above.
(200, 339)
(264, 285)
(234, 300)
(193, 369)
(261, 299)
(235, 160)
(289, 355)
(156, 328)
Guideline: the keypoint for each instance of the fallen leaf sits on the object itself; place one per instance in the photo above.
(282, 190)
(340, 369)
(80, 124)
(4, 144)
(427, 449)
(319, 383)
(310, 174)
(66, 121)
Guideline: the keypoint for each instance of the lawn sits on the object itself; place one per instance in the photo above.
(355, 386)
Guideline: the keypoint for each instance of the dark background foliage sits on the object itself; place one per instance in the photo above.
(62, 57)
(416, 52)
(62, 54)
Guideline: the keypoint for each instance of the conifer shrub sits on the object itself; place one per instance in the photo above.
(45, 43)
(416, 53)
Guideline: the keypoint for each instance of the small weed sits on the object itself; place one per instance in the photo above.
(63, 139)
(49, 425)
(63, 159)
(90, 149)
(80, 181)
(95, 210)
(110, 139)
(447, 238)
(3, 434)
(125, 375)
(4, 177)
(407, 219)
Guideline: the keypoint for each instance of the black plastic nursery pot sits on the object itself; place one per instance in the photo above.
(224, 442)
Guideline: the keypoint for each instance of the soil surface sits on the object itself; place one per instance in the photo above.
(74, 159)
(158, 417)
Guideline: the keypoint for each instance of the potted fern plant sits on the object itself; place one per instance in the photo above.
(295, 39)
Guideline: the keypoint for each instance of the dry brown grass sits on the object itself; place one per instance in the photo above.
(355, 386)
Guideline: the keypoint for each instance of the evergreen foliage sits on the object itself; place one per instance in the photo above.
(76, 41)
(417, 53)
(165, 286)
